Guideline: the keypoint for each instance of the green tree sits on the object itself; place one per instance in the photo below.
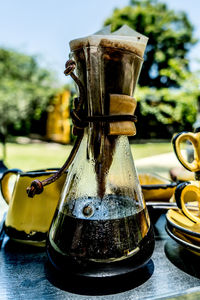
(170, 36)
(168, 93)
(25, 89)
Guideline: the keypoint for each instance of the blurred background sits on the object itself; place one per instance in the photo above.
(36, 97)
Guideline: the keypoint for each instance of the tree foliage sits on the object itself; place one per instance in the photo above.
(163, 112)
(168, 93)
(170, 36)
(25, 89)
(166, 111)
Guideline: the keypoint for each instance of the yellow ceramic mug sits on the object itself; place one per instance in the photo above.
(28, 219)
(188, 193)
(194, 138)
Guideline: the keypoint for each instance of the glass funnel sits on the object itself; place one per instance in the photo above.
(101, 226)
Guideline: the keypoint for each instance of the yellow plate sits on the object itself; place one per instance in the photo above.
(180, 222)
(156, 188)
(187, 237)
(181, 239)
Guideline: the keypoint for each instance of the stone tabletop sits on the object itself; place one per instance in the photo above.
(25, 273)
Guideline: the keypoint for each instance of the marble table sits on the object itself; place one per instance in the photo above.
(173, 272)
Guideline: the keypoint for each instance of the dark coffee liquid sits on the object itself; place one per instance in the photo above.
(81, 243)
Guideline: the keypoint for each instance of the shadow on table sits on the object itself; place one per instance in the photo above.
(98, 286)
(14, 255)
(22, 270)
(183, 258)
(15, 248)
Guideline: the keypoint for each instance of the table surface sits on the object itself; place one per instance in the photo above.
(25, 273)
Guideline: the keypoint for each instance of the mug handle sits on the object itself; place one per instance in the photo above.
(194, 138)
(180, 197)
(4, 183)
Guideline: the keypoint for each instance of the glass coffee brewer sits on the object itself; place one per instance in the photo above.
(101, 226)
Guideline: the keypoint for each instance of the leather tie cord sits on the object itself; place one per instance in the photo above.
(37, 186)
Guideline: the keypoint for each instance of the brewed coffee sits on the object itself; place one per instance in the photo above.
(94, 233)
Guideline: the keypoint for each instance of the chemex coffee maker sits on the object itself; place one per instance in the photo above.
(101, 226)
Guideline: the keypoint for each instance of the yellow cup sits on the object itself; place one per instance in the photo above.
(194, 139)
(187, 194)
(28, 219)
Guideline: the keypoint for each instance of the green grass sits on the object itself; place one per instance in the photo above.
(36, 156)
(49, 155)
(150, 149)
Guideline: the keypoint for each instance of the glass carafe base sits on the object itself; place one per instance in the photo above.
(67, 264)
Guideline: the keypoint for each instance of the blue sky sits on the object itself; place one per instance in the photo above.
(45, 27)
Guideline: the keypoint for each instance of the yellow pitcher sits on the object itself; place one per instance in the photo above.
(28, 220)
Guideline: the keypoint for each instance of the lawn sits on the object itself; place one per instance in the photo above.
(47, 155)
(150, 149)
